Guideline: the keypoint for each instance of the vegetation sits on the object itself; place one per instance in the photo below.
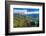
(24, 21)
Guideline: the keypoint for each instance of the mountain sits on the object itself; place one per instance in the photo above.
(30, 15)
(33, 15)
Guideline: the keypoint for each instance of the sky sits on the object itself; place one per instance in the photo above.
(26, 10)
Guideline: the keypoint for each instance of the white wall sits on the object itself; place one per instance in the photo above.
(28, 0)
(2, 19)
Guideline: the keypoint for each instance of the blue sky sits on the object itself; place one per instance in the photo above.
(28, 9)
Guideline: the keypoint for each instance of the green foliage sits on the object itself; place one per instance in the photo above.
(24, 21)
